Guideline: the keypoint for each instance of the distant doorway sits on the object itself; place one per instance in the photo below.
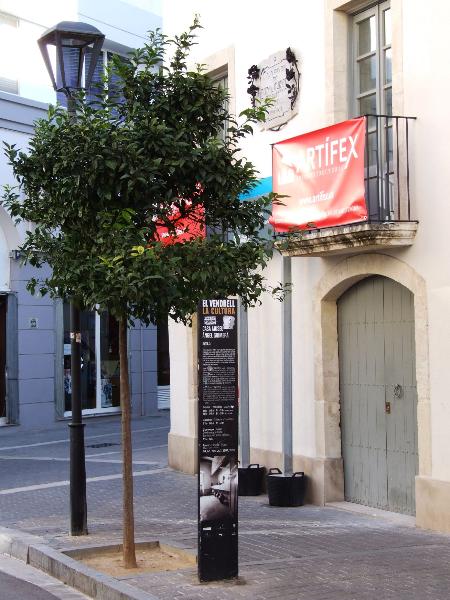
(163, 364)
(3, 415)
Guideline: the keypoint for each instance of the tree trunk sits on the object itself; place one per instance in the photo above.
(129, 553)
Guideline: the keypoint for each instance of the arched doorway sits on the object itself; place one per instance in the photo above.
(378, 394)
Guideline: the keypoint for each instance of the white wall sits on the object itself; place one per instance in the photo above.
(11, 235)
(124, 22)
(35, 18)
(256, 31)
(426, 93)
(265, 367)
(421, 88)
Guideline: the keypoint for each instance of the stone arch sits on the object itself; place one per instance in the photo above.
(9, 240)
(9, 230)
(333, 284)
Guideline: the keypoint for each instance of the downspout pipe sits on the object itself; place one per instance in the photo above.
(244, 396)
(287, 367)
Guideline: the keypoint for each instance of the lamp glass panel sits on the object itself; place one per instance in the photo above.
(96, 84)
(71, 57)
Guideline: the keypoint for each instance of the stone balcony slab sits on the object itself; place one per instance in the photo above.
(350, 239)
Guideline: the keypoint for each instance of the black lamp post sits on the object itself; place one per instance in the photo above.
(72, 39)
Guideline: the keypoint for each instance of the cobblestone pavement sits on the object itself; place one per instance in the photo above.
(308, 553)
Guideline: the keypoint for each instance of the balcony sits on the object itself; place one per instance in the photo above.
(390, 220)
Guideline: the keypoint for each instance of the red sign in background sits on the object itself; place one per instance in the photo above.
(322, 173)
(185, 229)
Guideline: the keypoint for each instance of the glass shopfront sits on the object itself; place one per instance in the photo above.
(100, 390)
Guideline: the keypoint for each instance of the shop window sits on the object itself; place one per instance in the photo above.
(100, 371)
(163, 352)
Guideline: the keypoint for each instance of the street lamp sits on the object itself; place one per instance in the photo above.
(72, 39)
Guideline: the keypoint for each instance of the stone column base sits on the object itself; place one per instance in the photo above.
(182, 452)
(325, 478)
(325, 475)
(433, 504)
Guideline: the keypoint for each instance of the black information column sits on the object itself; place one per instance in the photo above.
(217, 440)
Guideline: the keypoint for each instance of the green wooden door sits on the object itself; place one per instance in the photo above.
(378, 394)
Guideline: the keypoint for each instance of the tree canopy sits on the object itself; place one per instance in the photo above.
(117, 190)
(157, 150)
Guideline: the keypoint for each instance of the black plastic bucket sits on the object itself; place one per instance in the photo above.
(250, 480)
(286, 490)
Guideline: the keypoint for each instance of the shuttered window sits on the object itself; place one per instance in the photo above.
(71, 66)
(9, 48)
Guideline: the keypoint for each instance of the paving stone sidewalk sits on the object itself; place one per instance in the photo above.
(305, 553)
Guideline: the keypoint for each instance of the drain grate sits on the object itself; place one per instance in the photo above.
(103, 445)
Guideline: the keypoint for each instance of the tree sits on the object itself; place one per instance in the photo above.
(109, 192)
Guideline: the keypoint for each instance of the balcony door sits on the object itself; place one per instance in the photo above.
(100, 391)
(372, 95)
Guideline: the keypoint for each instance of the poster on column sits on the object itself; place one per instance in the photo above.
(322, 176)
(217, 440)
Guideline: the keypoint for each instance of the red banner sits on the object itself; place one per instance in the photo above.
(185, 229)
(322, 172)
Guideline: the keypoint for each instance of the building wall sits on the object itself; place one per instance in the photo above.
(318, 32)
(125, 23)
(143, 369)
(36, 350)
(33, 363)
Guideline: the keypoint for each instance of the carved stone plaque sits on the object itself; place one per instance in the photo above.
(278, 78)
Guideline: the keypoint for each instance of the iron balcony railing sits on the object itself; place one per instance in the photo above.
(387, 168)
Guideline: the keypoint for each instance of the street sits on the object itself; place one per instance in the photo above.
(308, 553)
(18, 580)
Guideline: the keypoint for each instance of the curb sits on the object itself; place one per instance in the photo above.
(31, 550)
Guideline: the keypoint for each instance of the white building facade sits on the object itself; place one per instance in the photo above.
(348, 381)
(35, 381)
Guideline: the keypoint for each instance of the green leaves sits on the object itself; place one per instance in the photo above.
(137, 250)
(98, 186)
